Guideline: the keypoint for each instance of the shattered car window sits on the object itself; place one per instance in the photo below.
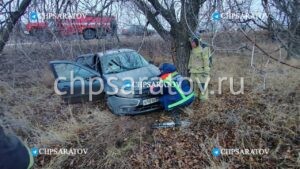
(64, 70)
(120, 62)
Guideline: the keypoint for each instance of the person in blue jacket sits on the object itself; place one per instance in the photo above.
(176, 91)
(13, 153)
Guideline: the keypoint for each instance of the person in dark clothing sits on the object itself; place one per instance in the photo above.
(174, 89)
(13, 153)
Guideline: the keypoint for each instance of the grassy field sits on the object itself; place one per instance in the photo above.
(265, 116)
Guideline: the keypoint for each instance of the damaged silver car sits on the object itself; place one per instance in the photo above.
(122, 75)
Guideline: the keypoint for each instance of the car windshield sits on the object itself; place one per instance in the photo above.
(123, 61)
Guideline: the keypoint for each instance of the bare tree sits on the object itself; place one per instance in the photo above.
(10, 18)
(284, 24)
(182, 24)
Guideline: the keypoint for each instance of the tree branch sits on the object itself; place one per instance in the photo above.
(164, 12)
(266, 53)
(104, 7)
(151, 17)
(10, 23)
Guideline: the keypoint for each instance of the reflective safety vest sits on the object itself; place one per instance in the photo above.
(167, 79)
(200, 60)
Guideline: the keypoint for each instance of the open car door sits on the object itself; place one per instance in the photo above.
(73, 81)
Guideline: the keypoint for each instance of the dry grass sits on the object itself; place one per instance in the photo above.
(258, 119)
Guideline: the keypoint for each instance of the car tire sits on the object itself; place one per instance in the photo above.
(89, 34)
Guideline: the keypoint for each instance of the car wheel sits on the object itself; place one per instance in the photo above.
(89, 34)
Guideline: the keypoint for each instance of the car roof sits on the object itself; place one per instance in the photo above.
(113, 51)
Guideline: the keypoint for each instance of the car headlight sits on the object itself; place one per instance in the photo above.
(127, 85)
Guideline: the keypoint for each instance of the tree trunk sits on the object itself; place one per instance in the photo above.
(291, 11)
(293, 44)
(293, 38)
(181, 54)
(180, 31)
(10, 23)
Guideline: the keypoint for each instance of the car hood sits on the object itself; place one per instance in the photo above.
(148, 71)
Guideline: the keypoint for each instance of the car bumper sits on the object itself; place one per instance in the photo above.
(131, 106)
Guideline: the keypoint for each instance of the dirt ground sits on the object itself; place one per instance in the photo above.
(262, 117)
